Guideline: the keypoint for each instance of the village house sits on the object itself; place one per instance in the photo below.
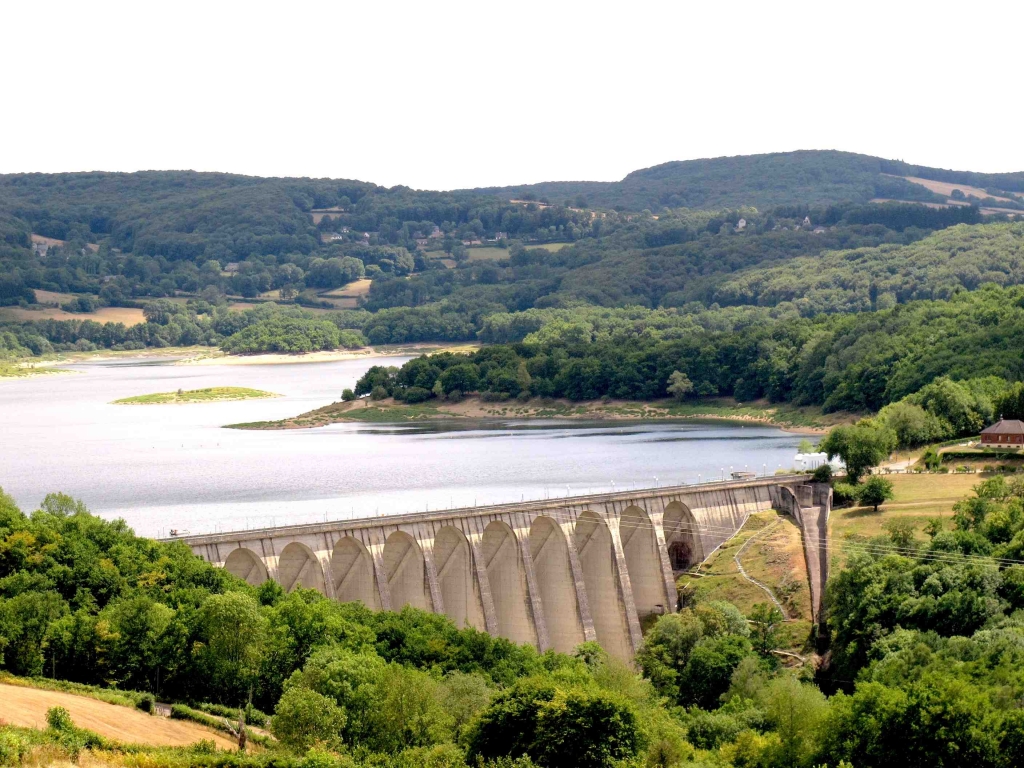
(1005, 433)
(740, 225)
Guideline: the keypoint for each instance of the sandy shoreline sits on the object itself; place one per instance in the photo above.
(389, 411)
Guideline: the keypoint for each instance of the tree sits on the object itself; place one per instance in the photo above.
(877, 490)
(304, 718)
(679, 385)
(347, 395)
(235, 633)
(586, 729)
(556, 725)
(861, 446)
(766, 619)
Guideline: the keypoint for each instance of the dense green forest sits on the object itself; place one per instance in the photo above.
(925, 668)
(852, 362)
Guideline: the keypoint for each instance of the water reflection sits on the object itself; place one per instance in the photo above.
(174, 466)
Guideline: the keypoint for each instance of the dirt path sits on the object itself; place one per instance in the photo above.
(27, 707)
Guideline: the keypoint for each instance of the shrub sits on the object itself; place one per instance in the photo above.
(415, 395)
(378, 393)
(146, 702)
(822, 474)
(59, 719)
(845, 493)
(347, 395)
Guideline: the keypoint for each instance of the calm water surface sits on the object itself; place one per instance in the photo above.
(173, 466)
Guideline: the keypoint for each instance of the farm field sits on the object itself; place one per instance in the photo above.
(126, 315)
(945, 188)
(487, 253)
(27, 707)
(347, 296)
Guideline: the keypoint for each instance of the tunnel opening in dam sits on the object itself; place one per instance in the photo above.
(550, 553)
(507, 578)
(682, 537)
(403, 563)
(352, 574)
(600, 579)
(299, 567)
(460, 593)
(244, 564)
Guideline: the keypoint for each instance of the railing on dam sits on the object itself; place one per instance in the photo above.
(553, 572)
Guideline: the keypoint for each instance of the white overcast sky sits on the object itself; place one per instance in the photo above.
(440, 95)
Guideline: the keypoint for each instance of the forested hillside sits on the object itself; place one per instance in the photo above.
(767, 276)
(784, 178)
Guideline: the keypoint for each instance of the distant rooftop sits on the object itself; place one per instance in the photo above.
(1005, 427)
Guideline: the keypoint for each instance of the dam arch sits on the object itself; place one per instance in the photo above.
(598, 563)
(611, 579)
(298, 567)
(682, 537)
(552, 568)
(403, 564)
(460, 593)
(643, 562)
(352, 574)
(246, 565)
(506, 575)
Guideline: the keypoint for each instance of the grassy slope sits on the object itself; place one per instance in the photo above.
(208, 395)
(27, 706)
(775, 559)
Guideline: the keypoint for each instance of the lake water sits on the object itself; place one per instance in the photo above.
(173, 466)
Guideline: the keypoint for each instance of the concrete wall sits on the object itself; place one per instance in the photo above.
(552, 573)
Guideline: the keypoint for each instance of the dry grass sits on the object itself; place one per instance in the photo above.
(776, 559)
(945, 188)
(352, 290)
(27, 707)
(52, 297)
(43, 239)
(917, 499)
(126, 315)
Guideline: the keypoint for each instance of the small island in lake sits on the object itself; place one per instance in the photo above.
(208, 395)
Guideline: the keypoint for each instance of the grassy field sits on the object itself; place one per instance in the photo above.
(487, 253)
(126, 315)
(354, 290)
(27, 707)
(208, 395)
(775, 558)
(916, 499)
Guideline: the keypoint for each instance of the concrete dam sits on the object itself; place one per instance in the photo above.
(554, 573)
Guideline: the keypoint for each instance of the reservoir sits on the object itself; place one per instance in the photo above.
(174, 466)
